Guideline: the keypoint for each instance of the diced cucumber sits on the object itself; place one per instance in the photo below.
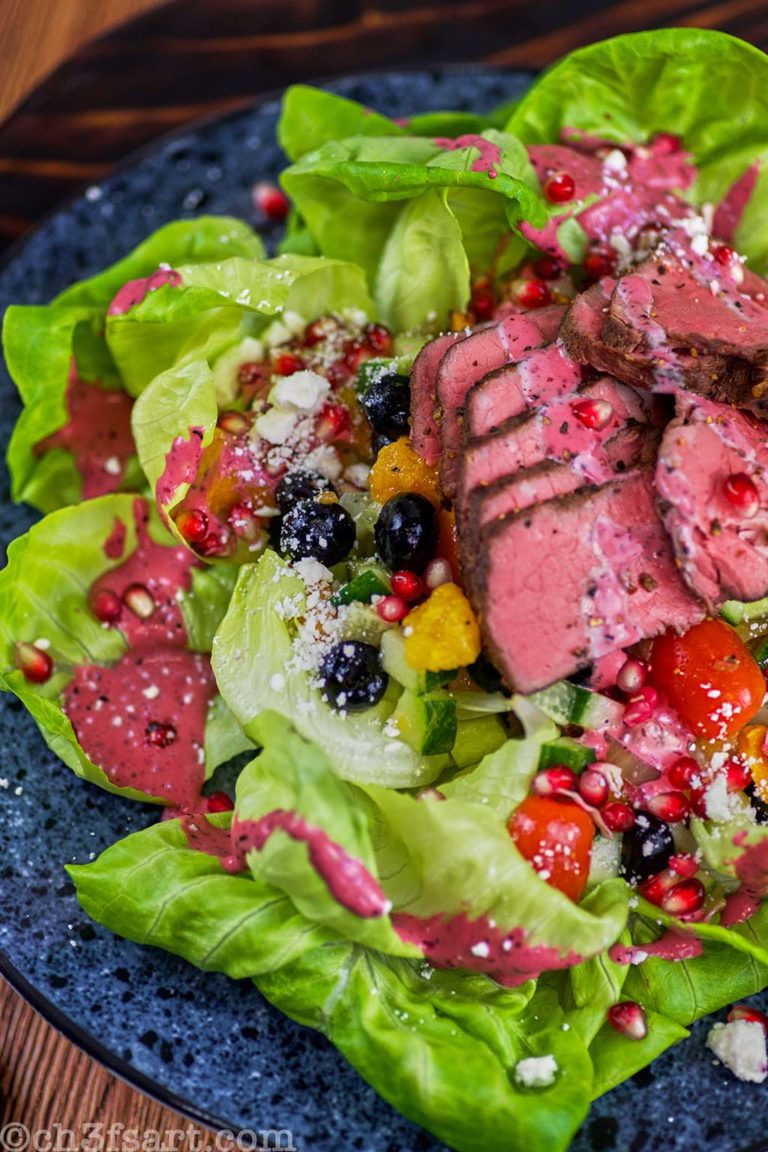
(394, 662)
(362, 623)
(567, 703)
(427, 723)
(361, 588)
(734, 612)
(568, 752)
(477, 738)
(760, 652)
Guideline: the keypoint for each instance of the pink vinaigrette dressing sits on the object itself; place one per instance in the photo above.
(97, 433)
(142, 720)
(489, 158)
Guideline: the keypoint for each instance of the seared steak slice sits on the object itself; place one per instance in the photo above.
(544, 374)
(425, 434)
(553, 432)
(721, 549)
(469, 360)
(561, 584)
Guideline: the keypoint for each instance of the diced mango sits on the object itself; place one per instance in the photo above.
(398, 468)
(442, 633)
(751, 745)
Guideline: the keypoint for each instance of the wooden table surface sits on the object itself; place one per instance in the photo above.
(173, 63)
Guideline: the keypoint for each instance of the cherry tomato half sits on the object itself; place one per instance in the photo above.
(556, 837)
(709, 677)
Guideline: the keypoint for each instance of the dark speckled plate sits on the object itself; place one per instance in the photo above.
(205, 1045)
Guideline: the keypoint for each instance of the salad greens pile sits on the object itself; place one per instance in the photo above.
(389, 225)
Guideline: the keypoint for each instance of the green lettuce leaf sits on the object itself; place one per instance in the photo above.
(311, 117)
(152, 887)
(43, 595)
(684, 80)
(39, 343)
(255, 668)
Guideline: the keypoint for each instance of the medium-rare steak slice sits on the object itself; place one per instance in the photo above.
(544, 374)
(561, 584)
(629, 447)
(471, 359)
(556, 431)
(721, 546)
(582, 335)
(425, 433)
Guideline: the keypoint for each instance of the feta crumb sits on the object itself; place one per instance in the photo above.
(482, 949)
(536, 1071)
(700, 244)
(357, 474)
(43, 643)
(716, 800)
(304, 389)
(276, 425)
(740, 1046)
(615, 161)
(151, 692)
(312, 571)
(113, 466)
(277, 682)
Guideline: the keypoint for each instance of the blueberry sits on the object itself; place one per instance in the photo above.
(487, 676)
(406, 532)
(386, 403)
(646, 848)
(324, 532)
(300, 485)
(352, 676)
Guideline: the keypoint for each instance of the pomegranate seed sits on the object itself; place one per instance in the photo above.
(378, 338)
(723, 254)
(438, 572)
(641, 707)
(355, 355)
(531, 293)
(598, 264)
(235, 423)
(738, 775)
(271, 200)
(315, 333)
(595, 414)
(593, 787)
(219, 802)
(251, 374)
(656, 887)
(216, 543)
(333, 422)
(547, 268)
(139, 599)
(629, 1019)
(286, 363)
(35, 664)
(160, 735)
(740, 490)
(699, 801)
(105, 605)
(683, 773)
(392, 609)
(618, 816)
(684, 865)
(559, 188)
(407, 585)
(193, 525)
(632, 676)
(483, 302)
(554, 780)
(684, 899)
(666, 144)
(672, 807)
(751, 1015)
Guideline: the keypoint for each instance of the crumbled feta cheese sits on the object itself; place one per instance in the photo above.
(277, 682)
(740, 1045)
(304, 389)
(357, 474)
(151, 692)
(112, 466)
(324, 460)
(295, 322)
(536, 1071)
(482, 949)
(615, 161)
(276, 425)
(312, 571)
(700, 244)
(716, 800)
(277, 333)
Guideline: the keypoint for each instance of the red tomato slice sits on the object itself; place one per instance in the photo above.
(556, 837)
(709, 677)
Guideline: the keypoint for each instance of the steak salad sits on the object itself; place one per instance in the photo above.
(450, 520)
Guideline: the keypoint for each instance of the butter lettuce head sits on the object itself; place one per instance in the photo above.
(41, 341)
(705, 86)
(43, 594)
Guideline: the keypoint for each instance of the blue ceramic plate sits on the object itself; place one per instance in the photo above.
(205, 1045)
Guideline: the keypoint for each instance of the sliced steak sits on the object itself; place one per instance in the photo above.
(471, 359)
(559, 585)
(631, 446)
(553, 432)
(544, 374)
(721, 552)
(425, 434)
